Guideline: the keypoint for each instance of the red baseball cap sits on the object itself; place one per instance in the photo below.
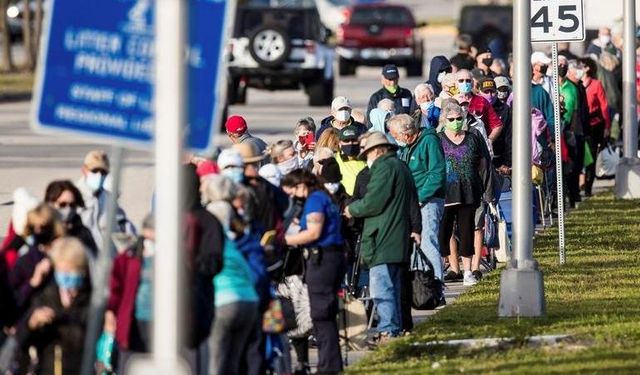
(236, 125)
(206, 168)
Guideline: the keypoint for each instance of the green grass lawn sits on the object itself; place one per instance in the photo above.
(595, 297)
(16, 83)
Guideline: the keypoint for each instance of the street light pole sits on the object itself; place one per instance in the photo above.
(628, 171)
(521, 284)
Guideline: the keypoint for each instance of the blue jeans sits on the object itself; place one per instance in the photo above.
(431, 216)
(384, 284)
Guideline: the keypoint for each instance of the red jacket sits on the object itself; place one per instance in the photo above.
(598, 105)
(123, 287)
(480, 107)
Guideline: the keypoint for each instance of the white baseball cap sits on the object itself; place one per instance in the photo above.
(340, 102)
(540, 58)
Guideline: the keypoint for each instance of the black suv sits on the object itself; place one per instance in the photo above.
(280, 49)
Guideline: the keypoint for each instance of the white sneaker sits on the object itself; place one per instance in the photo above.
(469, 279)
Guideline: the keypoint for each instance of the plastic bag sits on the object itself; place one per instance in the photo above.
(588, 156)
(607, 162)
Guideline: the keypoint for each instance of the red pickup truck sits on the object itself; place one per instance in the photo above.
(378, 34)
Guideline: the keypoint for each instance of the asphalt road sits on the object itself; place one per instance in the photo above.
(31, 160)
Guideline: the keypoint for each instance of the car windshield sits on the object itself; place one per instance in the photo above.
(381, 16)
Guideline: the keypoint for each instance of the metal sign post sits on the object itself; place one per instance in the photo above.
(521, 284)
(628, 171)
(558, 149)
(557, 21)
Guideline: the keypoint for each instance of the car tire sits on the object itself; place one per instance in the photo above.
(320, 92)
(270, 46)
(237, 91)
(346, 67)
(414, 68)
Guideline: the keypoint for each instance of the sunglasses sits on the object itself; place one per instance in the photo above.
(464, 80)
(99, 170)
(66, 204)
(452, 119)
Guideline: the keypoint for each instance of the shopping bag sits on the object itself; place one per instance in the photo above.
(427, 289)
(607, 162)
(503, 252)
(588, 156)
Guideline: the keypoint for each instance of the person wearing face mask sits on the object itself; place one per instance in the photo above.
(427, 114)
(386, 237)
(580, 122)
(468, 181)
(603, 43)
(540, 63)
(348, 160)
(484, 60)
(340, 117)
(321, 240)
(283, 155)
(65, 197)
(97, 199)
(130, 306)
(422, 151)
(58, 320)
(439, 67)
(502, 148)
(401, 97)
(32, 270)
(478, 106)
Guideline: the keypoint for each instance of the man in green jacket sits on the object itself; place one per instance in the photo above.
(422, 151)
(386, 237)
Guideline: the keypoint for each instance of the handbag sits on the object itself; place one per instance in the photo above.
(273, 319)
(503, 252)
(427, 290)
(490, 229)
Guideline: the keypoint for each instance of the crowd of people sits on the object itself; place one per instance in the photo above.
(273, 232)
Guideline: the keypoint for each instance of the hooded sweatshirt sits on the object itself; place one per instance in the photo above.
(438, 64)
(377, 117)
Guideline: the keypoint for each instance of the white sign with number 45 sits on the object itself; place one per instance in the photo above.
(557, 21)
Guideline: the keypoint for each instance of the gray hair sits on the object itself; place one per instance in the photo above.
(387, 105)
(403, 124)
(449, 80)
(447, 108)
(422, 87)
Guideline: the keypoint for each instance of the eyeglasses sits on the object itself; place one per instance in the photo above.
(464, 80)
(100, 170)
(66, 204)
(452, 119)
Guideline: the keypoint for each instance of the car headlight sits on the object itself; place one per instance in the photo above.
(13, 12)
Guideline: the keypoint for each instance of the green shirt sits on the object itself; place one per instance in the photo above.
(569, 91)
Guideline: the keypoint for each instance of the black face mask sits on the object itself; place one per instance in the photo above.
(562, 70)
(543, 69)
(350, 150)
(45, 236)
(298, 201)
(487, 61)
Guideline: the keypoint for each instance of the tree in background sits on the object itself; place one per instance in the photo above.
(6, 62)
(27, 36)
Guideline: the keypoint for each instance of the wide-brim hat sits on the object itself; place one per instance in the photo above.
(250, 154)
(374, 140)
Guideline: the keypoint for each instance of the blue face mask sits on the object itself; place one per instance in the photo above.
(68, 280)
(234, 173)
(426, 106)
(464, 87)
(95, 181)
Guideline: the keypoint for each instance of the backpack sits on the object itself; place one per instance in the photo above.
(427, 290)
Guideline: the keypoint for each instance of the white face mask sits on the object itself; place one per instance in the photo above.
(288, 165)
(440, 77)
(332, 187)
(579, 73)
(149, 247)
(94, 181)
(604, 40)
(343, 115)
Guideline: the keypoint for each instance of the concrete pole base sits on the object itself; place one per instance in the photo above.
(521, 293)
(628, 179)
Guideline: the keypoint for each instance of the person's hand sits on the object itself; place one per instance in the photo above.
(552, 146)
(416, 238)
(346, 213)
(607, 133)
(40, 272)
(110, 322)
(41, 317)
(504, 170)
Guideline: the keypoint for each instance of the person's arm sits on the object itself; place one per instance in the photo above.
(116, 283)
(208, 260)
(604, 105)
(492, 120)
(436, 169)
(570, 104)
(379, 191)
(315, 223)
